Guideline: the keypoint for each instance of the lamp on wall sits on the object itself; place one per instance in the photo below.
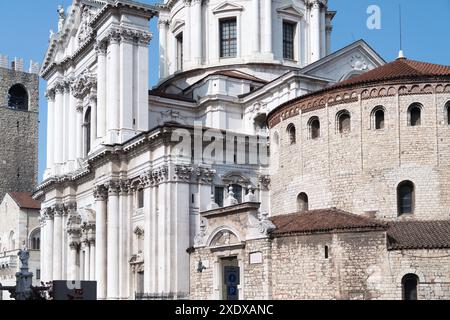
(200, 267)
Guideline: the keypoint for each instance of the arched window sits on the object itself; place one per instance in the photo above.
(140, 198)
(344, 121)
(18, 97)
(35, 240)
(415, 115)
(447, 109)
(302, 202)
(87, 131)
(314, 128)
(409, 286)
(405, 198)
(378, 118)
(291, 133)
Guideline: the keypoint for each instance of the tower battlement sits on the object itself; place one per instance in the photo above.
(17, 64)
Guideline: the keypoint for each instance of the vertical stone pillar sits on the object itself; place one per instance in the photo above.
(329, 30)
(101, 88)
(127, 105)
(314, 28)
(66, 119)
(72, 261)
(113, 80)
(113, 241)
(163, 55)
(74, 237)
(142, 85)
(50, 94)
(57, 243)
(58, 122)
(80, 275)
(187, 38)
(100, 194)
(93, 104)
(87, 260)
(149, 254)
(256, 27)
(123, 240)
(48, 262)
(73, 123)
(43, 243)
(196, 16)
(92, 260)
(267, 13)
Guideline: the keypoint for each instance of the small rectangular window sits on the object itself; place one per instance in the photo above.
(140, 198)
(38, 274)
(288, 40)
(180, 51)
(228, 38)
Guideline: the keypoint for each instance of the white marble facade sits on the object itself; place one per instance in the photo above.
(119, 206)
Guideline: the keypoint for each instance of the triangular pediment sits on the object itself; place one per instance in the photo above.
(177, 25)
(227, 7)
(291, 10)
(354, 59)
(73, 27)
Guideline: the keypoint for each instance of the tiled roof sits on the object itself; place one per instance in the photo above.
(325, 220)
(397, 70)
(419, 235)
(238, 75)
(24, 200)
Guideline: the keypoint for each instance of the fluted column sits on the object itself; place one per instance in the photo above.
(256, 36)
(267, 13)
(113, 242)
(163, 68)
(196, 16)
(59, 122)
(113, 80)
(101, 89)
(57, 243)
(315, 30)
(50, 129)
(100, 240)
(48, 262)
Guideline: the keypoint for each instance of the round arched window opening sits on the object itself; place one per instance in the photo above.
(292, 133)
(409, 286)
(314, 128)
(344, 121)
(18, 97)
(405, 198)
(415, 115)
(302, 202)
(378, 118)
(87, 131)
(447, 111)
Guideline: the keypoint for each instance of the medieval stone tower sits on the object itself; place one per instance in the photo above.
(19, 119)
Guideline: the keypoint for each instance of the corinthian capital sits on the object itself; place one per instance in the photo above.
(100, 193)
(100, 47)
(50, 94)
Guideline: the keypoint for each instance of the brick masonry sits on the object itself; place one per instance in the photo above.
(18, 135)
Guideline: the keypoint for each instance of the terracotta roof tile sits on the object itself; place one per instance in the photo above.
(419, 235)
(24, 200)
(397, 70)
(325, 220)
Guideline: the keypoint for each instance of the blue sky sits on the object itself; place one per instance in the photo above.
(25, 25)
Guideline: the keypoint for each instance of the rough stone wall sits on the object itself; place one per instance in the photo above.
(360, 171)
(18, 135)
(359, 267)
